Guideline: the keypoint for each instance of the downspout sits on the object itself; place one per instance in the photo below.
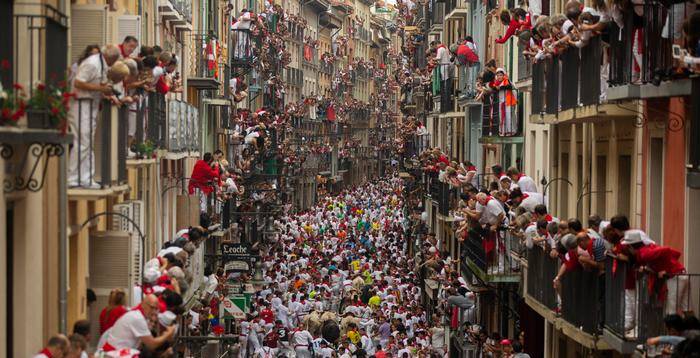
(63, 243)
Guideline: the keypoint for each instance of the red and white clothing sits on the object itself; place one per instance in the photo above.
(127, 331)
(45, 353)
(530, 200)
(526, 184)
(490, 212)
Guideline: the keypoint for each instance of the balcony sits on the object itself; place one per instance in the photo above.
(496, 266)
(242, 48)
(567, 87)
(296, 33)
(178, 13)
(455, 9)
(651, 307)
(330, 20)
(501, 118)
(204, 71)
(524, 70)
(437, 16)
(645, 74)
(171, 125)
(294, 77)
(326, 68)
(98, 157)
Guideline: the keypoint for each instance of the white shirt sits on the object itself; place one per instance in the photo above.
(490, 211)
(438, 337)
(527, 184)
(92, 70)
(533, 199)
(530, 235)
(302, 338)
(127, 330)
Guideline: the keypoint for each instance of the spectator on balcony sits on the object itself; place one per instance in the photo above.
(127, 47)
(507, 184)
(526, 200)
(90, 84)
(116, 307)
(517, 20)
(504, 103)
(241, 27)
(663, 263)
(132, 329)
(204, 178)
(87, 52)
(467, 57)
(58, 346)
(524, 182)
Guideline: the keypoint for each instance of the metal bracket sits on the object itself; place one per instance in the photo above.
(31, 163)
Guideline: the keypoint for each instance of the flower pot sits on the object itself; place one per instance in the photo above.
(39, 119)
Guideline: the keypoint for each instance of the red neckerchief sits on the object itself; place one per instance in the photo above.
(488, 198)
(520, 176)
(46, 352)
(471, 168)
(548, 218)
(121, 49)
(525, 196)
(589, 248)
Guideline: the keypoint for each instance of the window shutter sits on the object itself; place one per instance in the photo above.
(128, 25)
(88, 27)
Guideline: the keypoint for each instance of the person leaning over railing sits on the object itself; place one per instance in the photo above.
(92, 82)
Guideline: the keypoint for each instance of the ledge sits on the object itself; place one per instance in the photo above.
(585, 339)
(674, 88)
(501, 140)
(140, 162)
(618, 343)
(23, 135)
(457, 12)
(203, 83)
(585, 114)
(95, 194)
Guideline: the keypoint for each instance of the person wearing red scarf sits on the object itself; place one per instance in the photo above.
(132, 329)
(57, 347)
(127, 47)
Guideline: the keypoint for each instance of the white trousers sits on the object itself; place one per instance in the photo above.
(677, 300)
(302, 352)
(243, 351)
(630, 312)
(83, 120)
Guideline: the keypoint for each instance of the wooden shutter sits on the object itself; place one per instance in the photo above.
(128, 25)
(88, 27)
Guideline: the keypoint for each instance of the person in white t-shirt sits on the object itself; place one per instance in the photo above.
(524, 182)
(526, 200)
(301, 340)
(132, 328)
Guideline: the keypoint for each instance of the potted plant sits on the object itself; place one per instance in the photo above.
(13, 105)
(48, 107)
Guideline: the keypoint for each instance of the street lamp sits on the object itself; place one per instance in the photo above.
(547, 183)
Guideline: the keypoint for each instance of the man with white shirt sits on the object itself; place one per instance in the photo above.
(132, 329)
(526, 200)
(90, 85)
(301, 338)
(524, 182)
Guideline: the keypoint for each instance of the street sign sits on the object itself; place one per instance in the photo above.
(236, 257)
(235, 306)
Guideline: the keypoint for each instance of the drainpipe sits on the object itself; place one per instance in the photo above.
(63, 243)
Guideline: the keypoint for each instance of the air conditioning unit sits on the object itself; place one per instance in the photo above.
(114, 262)
(133, 209)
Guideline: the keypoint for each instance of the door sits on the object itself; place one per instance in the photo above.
(474, 155)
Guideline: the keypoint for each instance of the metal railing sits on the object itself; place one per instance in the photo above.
(98, 156)
(524, 65)
(541, 271)
(326, 68)
(156, 127)
(242, 48)
(581, 299)
(637, 53)
(636, 303)
(490, 252)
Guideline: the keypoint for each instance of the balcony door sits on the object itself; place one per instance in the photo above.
(6, 39)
